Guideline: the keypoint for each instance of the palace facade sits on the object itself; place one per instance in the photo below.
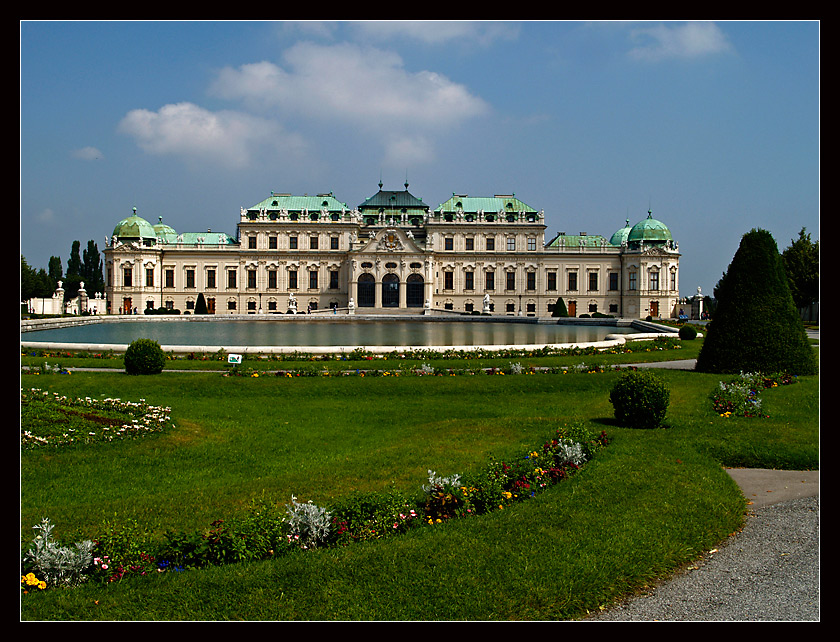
(392, 253)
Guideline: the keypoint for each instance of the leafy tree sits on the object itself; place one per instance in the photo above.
(28, 280)
(756, 327)
(802, 265)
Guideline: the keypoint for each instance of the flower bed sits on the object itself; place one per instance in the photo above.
(53, 420)
(741, 397)
(268, 529)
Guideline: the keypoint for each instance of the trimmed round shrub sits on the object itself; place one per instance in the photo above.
(144, 356)
(688, 332)
(640, 399)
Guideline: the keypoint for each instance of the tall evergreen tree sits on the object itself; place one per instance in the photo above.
(92, 269)
(55, 270)
(756, 327)
(74, 272)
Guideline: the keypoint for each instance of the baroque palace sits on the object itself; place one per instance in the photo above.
(392, 253)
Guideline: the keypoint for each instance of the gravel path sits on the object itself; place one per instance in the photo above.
(770, 571)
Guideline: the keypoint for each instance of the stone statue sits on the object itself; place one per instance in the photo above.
(486, 303)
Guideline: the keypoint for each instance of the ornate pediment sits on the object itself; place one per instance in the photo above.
(389, 241)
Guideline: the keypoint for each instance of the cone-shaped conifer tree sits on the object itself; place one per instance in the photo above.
(756, 327)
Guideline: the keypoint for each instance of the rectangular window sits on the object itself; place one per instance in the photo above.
(510, 280)
(551, 278)
(211, 278)
(448, 243)
(469, 243)
(333, 242)
(490, 280)
(190, 278)
(293, 242)
(469, 283)
(272, 242)
(448, 280)
(293, 279)
(127, 277)
(593, 281)
(511, 244)
(654, 280)
(613, 280)
(573, 281)
(150, 277)
(673, 280)
(531, 281)
(490, 244)
(313, 242)
(252, 279)
(313, 279)
(170, 278)
(272, 279)
(252, 242)
(231, 278)
(333, 279)
(532, 244)
(231, 305)
(632, 281)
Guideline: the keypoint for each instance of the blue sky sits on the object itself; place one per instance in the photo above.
(713, 126)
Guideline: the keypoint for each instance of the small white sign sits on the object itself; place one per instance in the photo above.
(234, 358)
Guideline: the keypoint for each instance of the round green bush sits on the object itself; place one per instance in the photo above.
(688, 332)
(144, 356)
(640, 399)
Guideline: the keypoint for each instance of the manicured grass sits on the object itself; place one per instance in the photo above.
(649, 502)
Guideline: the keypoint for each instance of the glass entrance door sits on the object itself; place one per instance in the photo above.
(390, 291)
(367, 291)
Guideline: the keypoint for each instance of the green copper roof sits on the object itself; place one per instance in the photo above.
(134, 227)
(576, 240)
(489, 204)
(393, 200)
(649, 230)
(288, 202)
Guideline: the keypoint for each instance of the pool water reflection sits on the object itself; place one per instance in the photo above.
(324, 333)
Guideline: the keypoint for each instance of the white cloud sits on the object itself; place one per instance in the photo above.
(46, 215)
(186, 130)
(434, 32)
(689, 40)
(362, 86)
(87, 153)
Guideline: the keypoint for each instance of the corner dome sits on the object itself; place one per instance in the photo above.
(649, 230)
(620, 236)
(134, 227)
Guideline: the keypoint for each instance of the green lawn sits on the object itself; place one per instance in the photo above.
(648, 503)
